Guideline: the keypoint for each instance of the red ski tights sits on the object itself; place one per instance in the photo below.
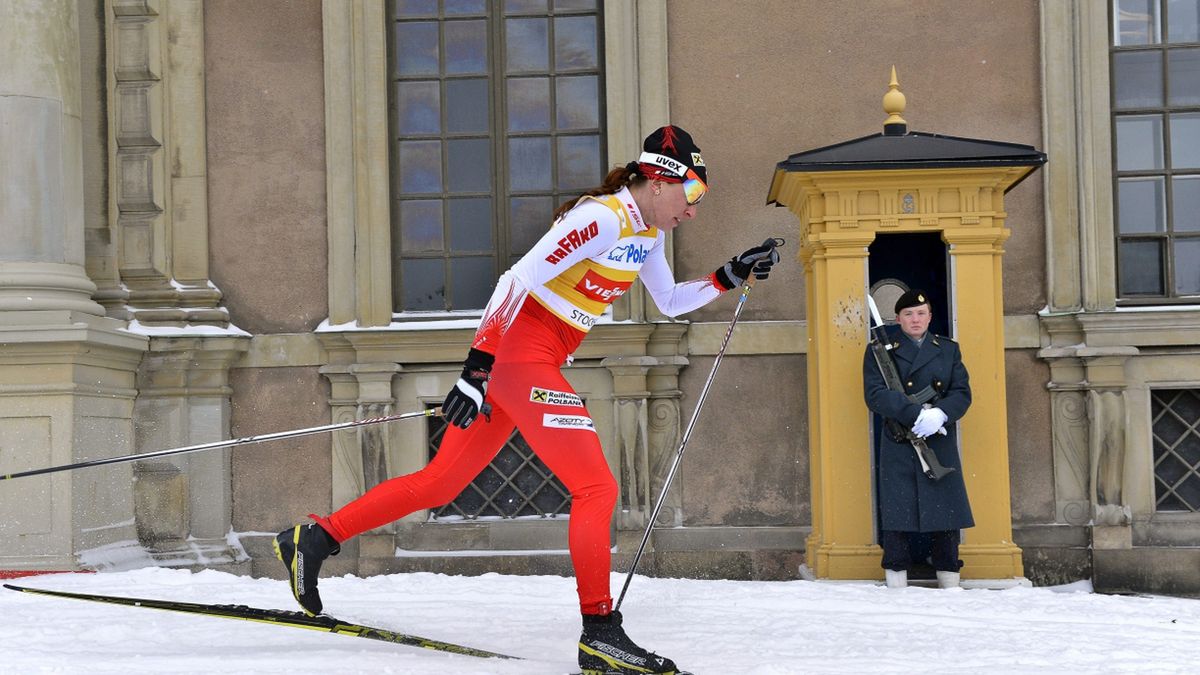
(535, 397)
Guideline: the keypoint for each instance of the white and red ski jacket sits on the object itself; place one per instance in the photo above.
(589, 258)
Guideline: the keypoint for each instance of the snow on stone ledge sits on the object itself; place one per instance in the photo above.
(188, 330)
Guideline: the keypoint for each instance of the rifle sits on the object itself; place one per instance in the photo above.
(880, 344)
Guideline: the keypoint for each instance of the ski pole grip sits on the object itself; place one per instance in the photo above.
(771, 243)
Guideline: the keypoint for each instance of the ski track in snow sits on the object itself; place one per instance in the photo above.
(708, 627)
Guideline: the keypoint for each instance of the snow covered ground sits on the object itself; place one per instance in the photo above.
(709, 627)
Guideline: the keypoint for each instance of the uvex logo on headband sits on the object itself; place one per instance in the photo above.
(674, 166)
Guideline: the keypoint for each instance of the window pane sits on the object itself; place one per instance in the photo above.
(1187, 266)
(467, 106)
(465, 7)
(528, 45)
(528, 220)
(1137, 79)
(529, 163)
(575, 42)
(421, 225)
(1139, 142)
(578, 162)
(578, 102)
(524, 6)
(445, 64)
(1141, 268)
(474, 279)
(1183, 66)
(1141, 205)
(466, 47)
(417, 48)
(469, 164)
(1183, 20)
(1136, 22)
(1185, 141)
(529, 104)
(420, 166)
(424, 284)
(470, 224)
(418, 108)
(1185, 200)
(415, 8)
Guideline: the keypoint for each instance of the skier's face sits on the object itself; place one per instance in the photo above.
(914, 321)
(671, 206)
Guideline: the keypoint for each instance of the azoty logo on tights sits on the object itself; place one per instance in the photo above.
(552, 421)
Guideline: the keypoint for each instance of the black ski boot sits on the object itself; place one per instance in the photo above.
(302, 549)
(604, 649)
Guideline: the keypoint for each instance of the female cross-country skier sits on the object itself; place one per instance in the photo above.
(539, 313)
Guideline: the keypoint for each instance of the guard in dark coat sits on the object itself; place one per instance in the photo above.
(908, 500)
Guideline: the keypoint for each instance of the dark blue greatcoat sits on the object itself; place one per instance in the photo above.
(908, 500)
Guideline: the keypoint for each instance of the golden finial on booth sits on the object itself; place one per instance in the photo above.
(893, 105)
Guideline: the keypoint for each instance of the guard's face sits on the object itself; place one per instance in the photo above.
(914, 321)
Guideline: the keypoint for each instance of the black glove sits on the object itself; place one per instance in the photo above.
(757, 260)
(465, 400)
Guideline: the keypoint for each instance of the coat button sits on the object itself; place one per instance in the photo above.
(910, 384)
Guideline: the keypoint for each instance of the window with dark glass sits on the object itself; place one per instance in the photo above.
(1175, 422)
(497, 116)
(516, 484)
(1155, 66)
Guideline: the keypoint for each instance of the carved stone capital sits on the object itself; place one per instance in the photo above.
(190, 366)
(629, 375)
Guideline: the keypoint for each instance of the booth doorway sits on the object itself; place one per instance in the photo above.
(897, 263)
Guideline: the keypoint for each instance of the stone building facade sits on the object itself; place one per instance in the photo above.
(204, 204)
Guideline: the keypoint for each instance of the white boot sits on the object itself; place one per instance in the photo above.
(947, 579)
(896, 578)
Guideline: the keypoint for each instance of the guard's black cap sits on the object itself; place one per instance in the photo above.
(912, 298)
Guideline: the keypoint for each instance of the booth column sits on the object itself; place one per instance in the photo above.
(987, 550)
(841, 545)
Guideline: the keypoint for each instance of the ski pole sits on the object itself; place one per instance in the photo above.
(687, 433)
(226, 444)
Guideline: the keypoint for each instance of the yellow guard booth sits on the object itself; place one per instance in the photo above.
(846, 196)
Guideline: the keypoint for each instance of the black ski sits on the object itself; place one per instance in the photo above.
(278, 617)
(615, 672)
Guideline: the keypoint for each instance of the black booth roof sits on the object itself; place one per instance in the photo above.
(913, 150)
(898, 148)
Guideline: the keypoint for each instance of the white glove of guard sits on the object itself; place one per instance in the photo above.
(929, 422)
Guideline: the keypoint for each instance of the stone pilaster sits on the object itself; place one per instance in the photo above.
(68, 386)
(665, 423)
(158, 184)
(66, 396)
(185, 501)
(1088, 388)
(633, 464)
(360, 455)
(1105, 369)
